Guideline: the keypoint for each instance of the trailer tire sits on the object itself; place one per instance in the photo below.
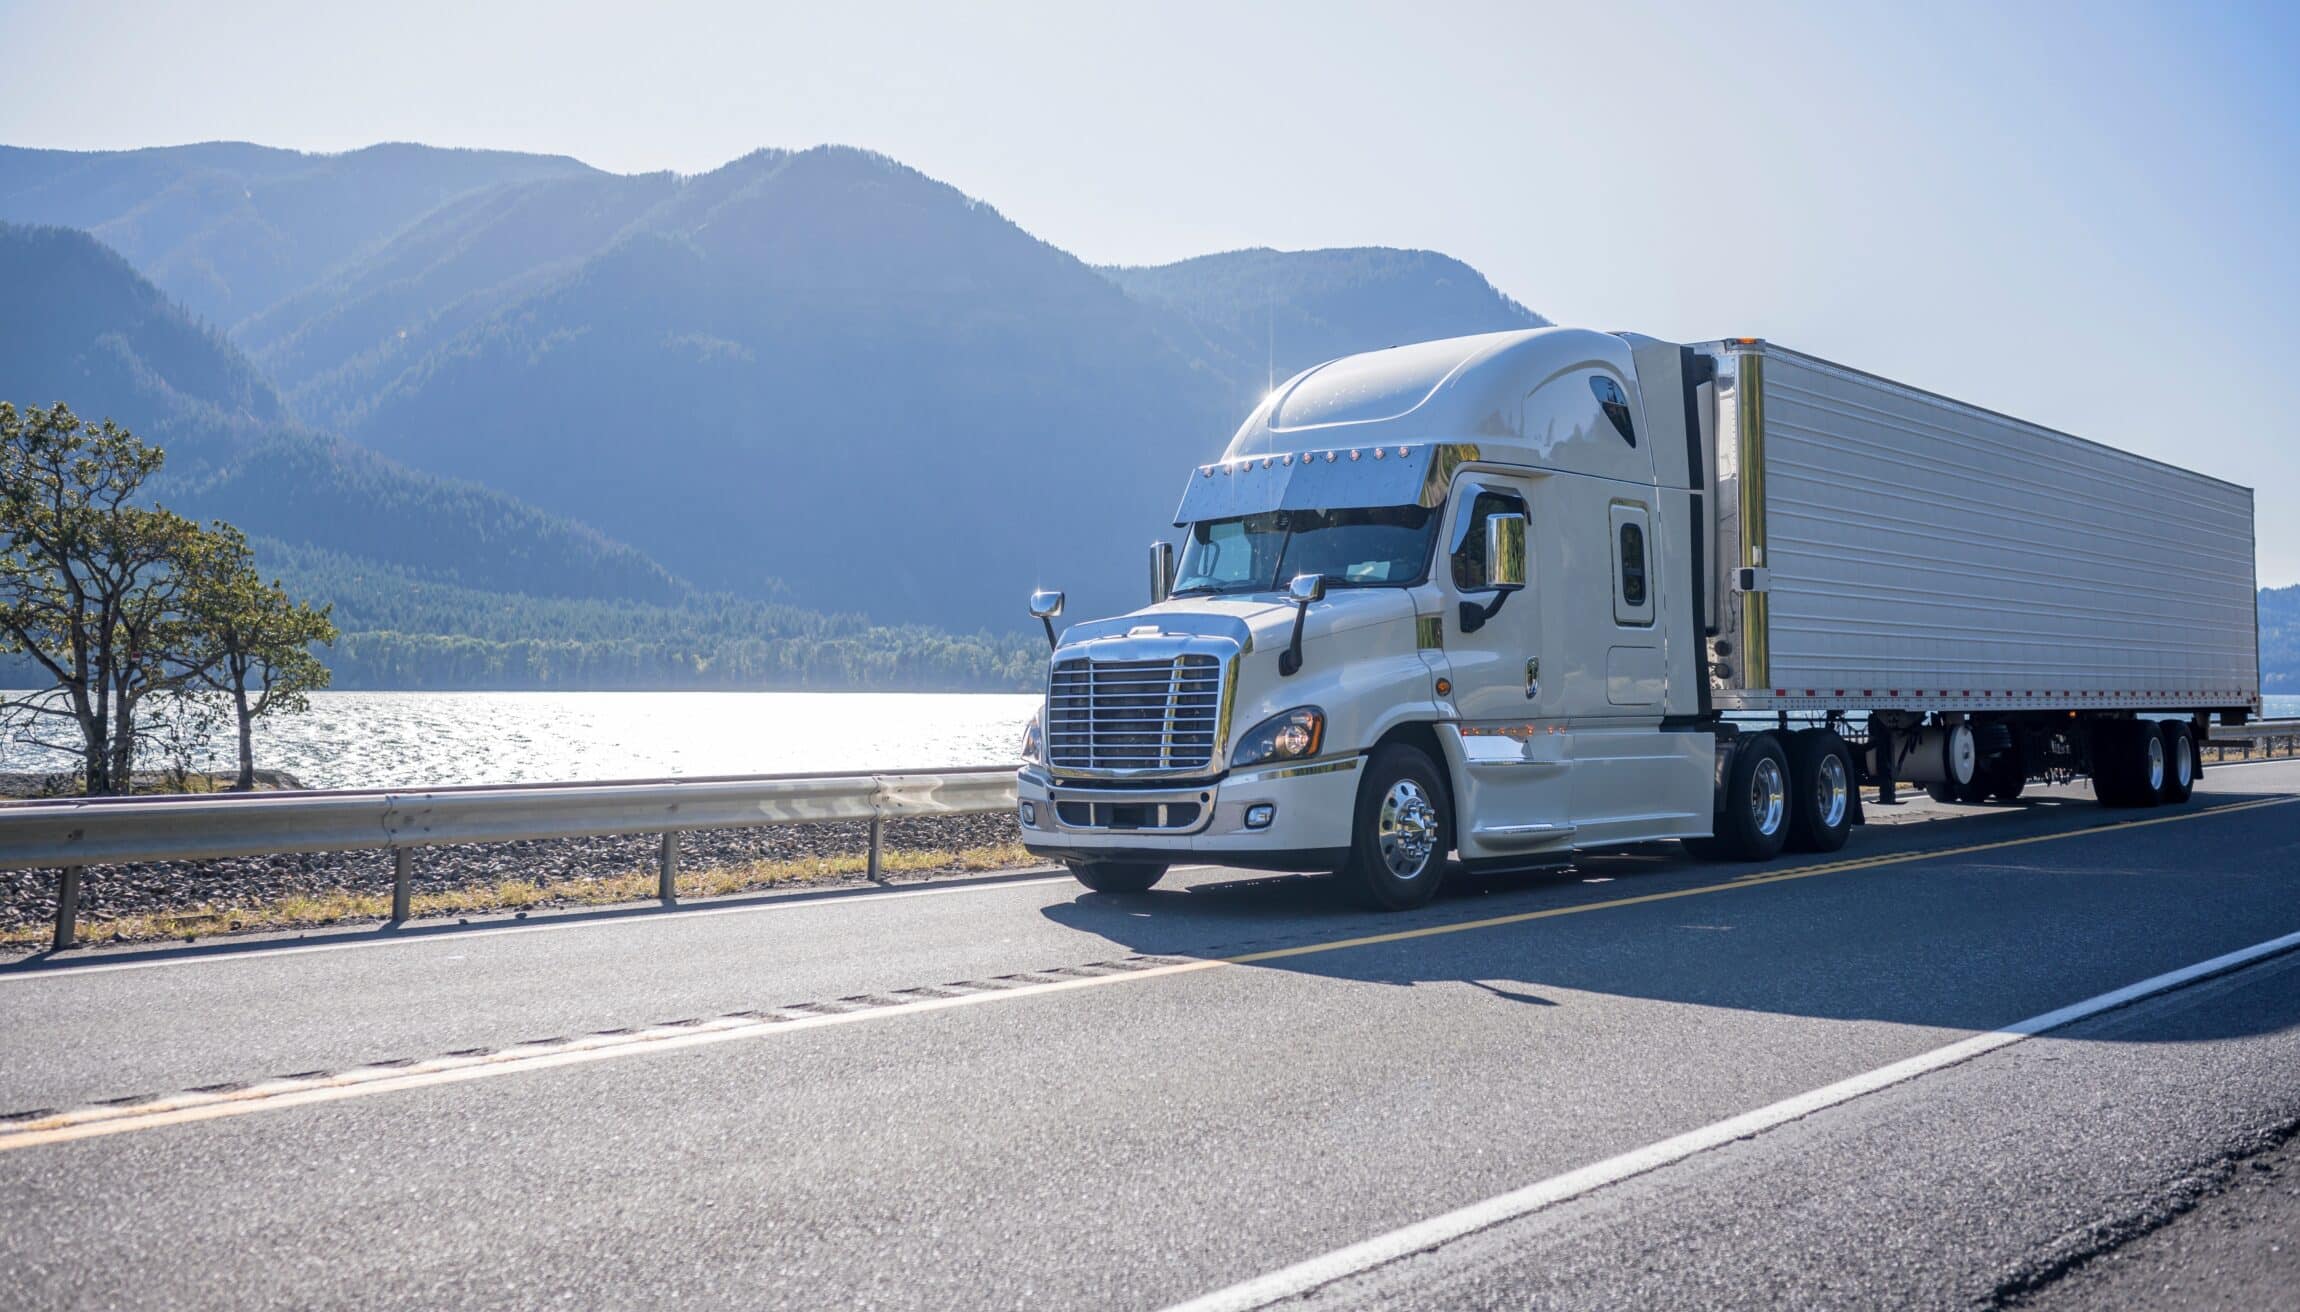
(1752, 823)
(1118, 876)
(2179, 761)
(2007, 774)
(1820, 791)
(2127, 757)
(1401, 831)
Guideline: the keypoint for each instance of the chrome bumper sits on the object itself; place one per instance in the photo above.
(1075, 809)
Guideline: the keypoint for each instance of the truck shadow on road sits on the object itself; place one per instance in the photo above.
(2060, 902)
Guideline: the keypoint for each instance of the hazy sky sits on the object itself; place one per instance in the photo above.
(2081, 214)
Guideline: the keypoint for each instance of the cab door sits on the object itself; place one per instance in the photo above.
(1510, 788)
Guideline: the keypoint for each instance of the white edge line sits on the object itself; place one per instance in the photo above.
(1305, 1277)
(438, 932)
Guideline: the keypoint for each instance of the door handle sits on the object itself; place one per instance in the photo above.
(1533, 678)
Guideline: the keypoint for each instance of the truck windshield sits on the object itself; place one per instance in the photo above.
(1383, 545)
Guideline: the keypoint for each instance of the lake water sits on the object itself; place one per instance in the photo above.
(398, 739)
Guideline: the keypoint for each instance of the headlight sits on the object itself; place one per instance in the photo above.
(1283, 737)
(1033, 742)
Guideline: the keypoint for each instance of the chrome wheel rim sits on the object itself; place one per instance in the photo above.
(1831, 790)
(2183, 764)
(1768, 799)
(2155, 762)
(1408, 829)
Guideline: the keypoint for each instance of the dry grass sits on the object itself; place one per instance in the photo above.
(336, 906)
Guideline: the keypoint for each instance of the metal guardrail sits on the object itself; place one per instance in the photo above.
(69, 835)
(2264, 735)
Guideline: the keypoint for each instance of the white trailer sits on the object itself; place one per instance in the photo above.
(1512, 596)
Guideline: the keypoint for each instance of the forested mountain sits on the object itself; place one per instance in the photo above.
(78, 325)
(1270, 314)
(228, 228)
(2280, 639)
(437, 583)
(821, 367)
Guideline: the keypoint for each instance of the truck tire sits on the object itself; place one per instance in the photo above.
(1752, 823)
(1820, 791)
(2007, 774)
(2179, 762)
(1118, 876)
(1401, 831)
(2127, 763)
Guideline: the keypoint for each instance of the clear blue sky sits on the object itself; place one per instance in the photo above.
(2079, 213)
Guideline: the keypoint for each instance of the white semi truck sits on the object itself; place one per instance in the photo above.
(1517, 595)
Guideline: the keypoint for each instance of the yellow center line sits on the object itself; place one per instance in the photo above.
(93, 1122)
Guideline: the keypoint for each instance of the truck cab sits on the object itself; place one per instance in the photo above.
(1443, 598)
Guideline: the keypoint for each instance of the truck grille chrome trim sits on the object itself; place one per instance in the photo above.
(1111, 717)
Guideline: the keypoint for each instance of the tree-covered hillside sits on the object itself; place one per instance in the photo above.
(78, 325)
(401, 630)
(826, 368)
(2280, 639)
(229, 228)
(436, 583)
(1268, 314)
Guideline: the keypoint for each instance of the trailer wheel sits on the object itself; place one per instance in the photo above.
(2127, 763)
(2007, 773)
(1752, 821)
(1820, 791)
(2179, 761)
(1118, 876)
(1401, 833)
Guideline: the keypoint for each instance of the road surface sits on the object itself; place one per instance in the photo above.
(1641, 1082)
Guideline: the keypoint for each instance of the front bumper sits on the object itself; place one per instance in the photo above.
(1310, 830)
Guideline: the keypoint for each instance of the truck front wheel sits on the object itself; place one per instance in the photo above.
(1401, 832)
(1117, 876)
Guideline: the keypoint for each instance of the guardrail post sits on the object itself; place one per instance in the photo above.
(667, 868)
(876, 825)
(67, 906)
(402, 882)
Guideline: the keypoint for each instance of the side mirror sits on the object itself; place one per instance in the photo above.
(1504, 568)
(1505, 552)
(1305, 589)
(1161, 571)
(1045, 604)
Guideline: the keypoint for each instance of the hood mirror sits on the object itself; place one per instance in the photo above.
(1045, 604)
(1161, 571)
(1303, 591)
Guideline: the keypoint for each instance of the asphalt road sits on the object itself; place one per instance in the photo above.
(1015, 1093)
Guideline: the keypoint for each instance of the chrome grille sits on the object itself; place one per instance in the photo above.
(1148, 716)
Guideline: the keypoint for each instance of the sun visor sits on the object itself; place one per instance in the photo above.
(1348, 478)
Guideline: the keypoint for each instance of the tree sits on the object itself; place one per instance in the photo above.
(254, 641)
(92, 585)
